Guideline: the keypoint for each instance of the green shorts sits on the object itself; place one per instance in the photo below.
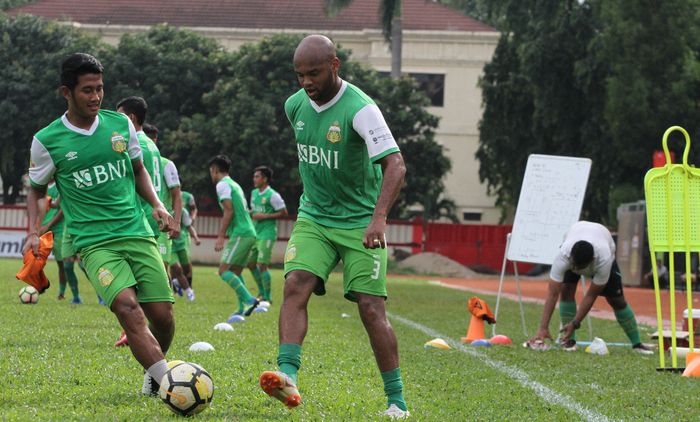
(262, 251)
(67, 249)
(165, 246)
(180, 256)
(118, 264)
(58, 245)
(237, 251)
(317, 249)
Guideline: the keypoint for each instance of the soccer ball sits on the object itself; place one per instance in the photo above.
(186, 388)
(28, 295)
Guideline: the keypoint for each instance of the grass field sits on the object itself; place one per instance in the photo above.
(59, 363)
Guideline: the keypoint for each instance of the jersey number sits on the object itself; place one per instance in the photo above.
(156, 174)
(375, 270)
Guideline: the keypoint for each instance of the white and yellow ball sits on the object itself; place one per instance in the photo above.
(186, 388)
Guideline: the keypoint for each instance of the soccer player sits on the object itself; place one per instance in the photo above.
(588, 250)
(53, 221)
(235, 223)
(267, 206)
(180, 258)
(191, 206)
(352, 171)
(172, 200)
(95, 158)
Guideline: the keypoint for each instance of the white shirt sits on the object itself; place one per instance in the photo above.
(603, 253)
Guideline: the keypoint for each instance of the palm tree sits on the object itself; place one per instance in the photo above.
(390, 15)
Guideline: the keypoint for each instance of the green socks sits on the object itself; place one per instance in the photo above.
(69, 269)
(258, 281)
(393, 388)
(289, 359)
(267, 285)
(567, 312)
(236, 284)
(625, 317)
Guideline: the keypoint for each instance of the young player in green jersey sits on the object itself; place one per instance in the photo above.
(190, 205)
(235, 223)
(352, 172)
(266, 207)
(53, 221)
(95, 158)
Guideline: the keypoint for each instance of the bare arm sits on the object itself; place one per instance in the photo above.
(225, 221)
(273, 215)
(55, 219)
(32, 240)
(394, 170)
(584, 307)
(553, 291)
(144, 187)
(193, 233)
(176, 196)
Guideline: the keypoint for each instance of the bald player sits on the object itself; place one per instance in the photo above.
(352, 171)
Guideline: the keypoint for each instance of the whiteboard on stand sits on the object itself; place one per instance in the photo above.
(550, 202)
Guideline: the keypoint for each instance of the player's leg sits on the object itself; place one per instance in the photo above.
(624, 314)
(364, 281)
(253, 267)
(264, 258)
(183, 258)
(309, 259)
(233, 259)
(69, 269)
(110, 273)
(567, 304)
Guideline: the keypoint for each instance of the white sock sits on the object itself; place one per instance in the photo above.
(158, 370)
(188, 290)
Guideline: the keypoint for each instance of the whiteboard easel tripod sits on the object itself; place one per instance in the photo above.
(550, 202)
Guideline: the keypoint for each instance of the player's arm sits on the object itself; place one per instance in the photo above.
(594, 290)
(41, 171)
(553, 292)
(394, 171)
(227, 207)
(55, 219)
(270, 216)
(172, 181)
(192, 208)
(382, 149)
(193, 233)
(35, 194)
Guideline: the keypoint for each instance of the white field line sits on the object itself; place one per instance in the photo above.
(546, 393)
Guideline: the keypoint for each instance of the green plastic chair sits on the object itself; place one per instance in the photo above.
(673, 221)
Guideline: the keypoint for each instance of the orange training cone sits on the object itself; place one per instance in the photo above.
(692, 365)
(480, 312)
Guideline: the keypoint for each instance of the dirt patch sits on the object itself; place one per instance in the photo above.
(435, 264)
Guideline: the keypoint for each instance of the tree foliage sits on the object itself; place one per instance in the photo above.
(31, 50)
(600, 79)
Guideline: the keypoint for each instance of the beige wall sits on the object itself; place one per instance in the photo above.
(459, 55)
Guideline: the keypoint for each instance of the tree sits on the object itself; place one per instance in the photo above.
(390, 14)
(244, 117)
(31, 51)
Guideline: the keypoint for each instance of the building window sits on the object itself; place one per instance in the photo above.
(471, 216)
(432, 84)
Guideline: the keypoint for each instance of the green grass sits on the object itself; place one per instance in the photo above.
(59, 364)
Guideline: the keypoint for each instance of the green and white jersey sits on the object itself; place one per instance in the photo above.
(94, 176)
(188, 200)
(241, 223)
(52, 194)
(171, 179)
(151, 161)
(338, 145)
(266, 202)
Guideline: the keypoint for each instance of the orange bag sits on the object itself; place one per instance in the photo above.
(32, 271)
(480, 309)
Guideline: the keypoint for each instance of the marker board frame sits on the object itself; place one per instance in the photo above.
(550, 202)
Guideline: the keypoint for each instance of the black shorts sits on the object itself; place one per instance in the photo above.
(613, 288)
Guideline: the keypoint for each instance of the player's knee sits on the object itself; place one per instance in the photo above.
(297, 284)
(618, 303)
(127, 310)
(370, 309)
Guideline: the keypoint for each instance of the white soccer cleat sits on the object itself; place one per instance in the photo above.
(150, 386)
(190, 295)
(394, 412)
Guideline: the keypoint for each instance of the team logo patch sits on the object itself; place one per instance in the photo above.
(118, 142)
(105, 277)
(291, 253)
(300, 125)
(264, 201)
(71, 155)
(333, 134)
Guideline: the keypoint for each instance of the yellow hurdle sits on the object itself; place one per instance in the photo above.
(673, 221)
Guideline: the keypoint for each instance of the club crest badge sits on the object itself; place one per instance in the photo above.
(333, 134)
(290, 254)
(105, 277)
(118, 142)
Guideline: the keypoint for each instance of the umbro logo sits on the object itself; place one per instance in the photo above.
(72, 155)
(300, 125)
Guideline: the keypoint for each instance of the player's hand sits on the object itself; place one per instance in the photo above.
(258, 216)
(166, 222)
(197, 242)
(43, 229)
(31, 242)
(375, 234)
(541, 335)
(566, 332)
(174, 233)
(219, 245)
